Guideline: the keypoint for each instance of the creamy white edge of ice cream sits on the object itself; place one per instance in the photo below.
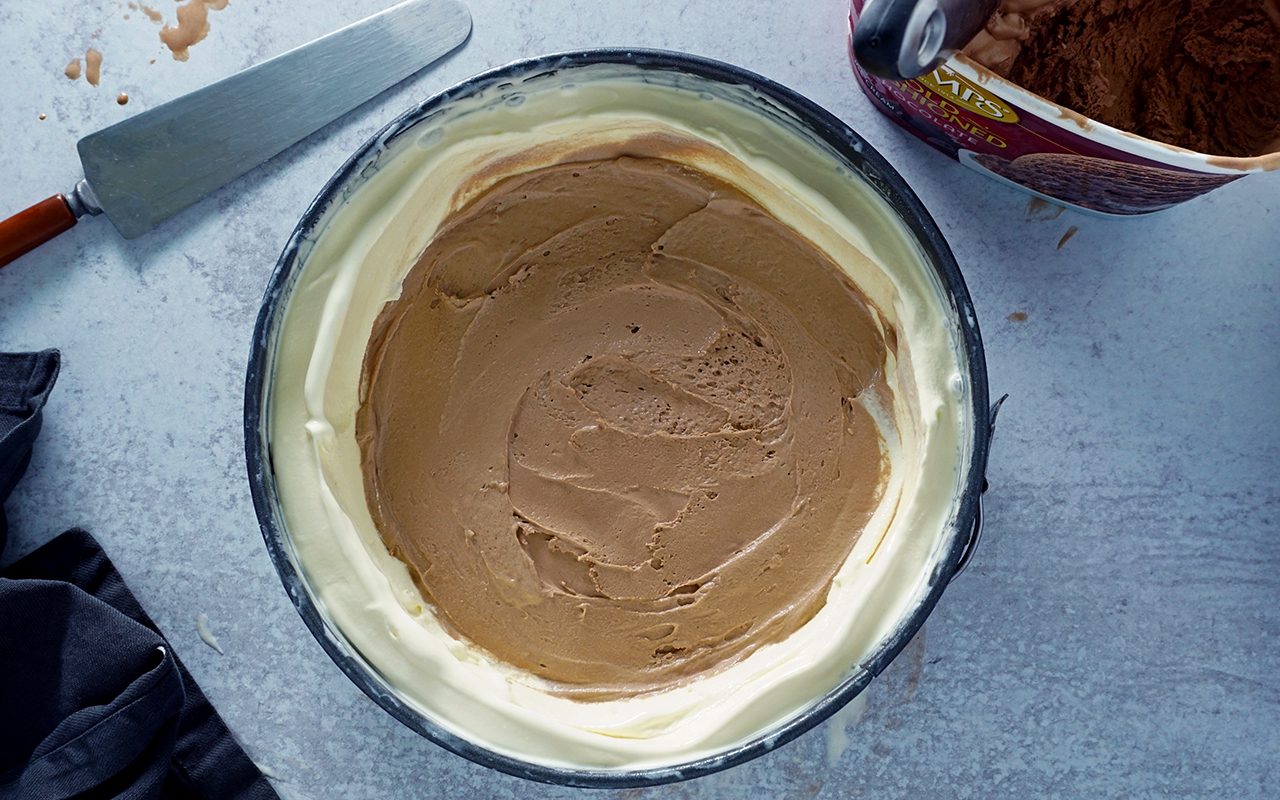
(358, 261)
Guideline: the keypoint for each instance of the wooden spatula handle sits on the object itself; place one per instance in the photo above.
(32, 227)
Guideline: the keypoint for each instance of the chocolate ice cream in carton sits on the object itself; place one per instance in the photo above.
(1193, 100)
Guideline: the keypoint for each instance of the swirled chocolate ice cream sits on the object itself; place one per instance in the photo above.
(621, 424)
(1201, 74)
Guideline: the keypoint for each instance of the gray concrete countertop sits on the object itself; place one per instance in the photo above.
(1117, 635)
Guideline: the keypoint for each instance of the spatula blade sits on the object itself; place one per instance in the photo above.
(151, 166)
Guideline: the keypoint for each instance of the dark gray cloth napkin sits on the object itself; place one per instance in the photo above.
(93, 700)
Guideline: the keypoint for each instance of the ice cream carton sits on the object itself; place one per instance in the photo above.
(1019, 138)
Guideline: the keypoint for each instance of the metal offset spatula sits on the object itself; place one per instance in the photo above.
(143, 170)
(903, 39)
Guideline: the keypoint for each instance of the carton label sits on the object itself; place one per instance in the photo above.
(964, 93)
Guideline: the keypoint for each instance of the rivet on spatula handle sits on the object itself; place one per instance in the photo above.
(32, 227)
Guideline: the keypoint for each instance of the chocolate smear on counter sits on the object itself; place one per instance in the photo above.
(93, 66)
(192, 27)
(1066, 237)
(152, 14)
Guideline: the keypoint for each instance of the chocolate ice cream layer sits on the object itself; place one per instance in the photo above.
(1200, 74)
(622, 425)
